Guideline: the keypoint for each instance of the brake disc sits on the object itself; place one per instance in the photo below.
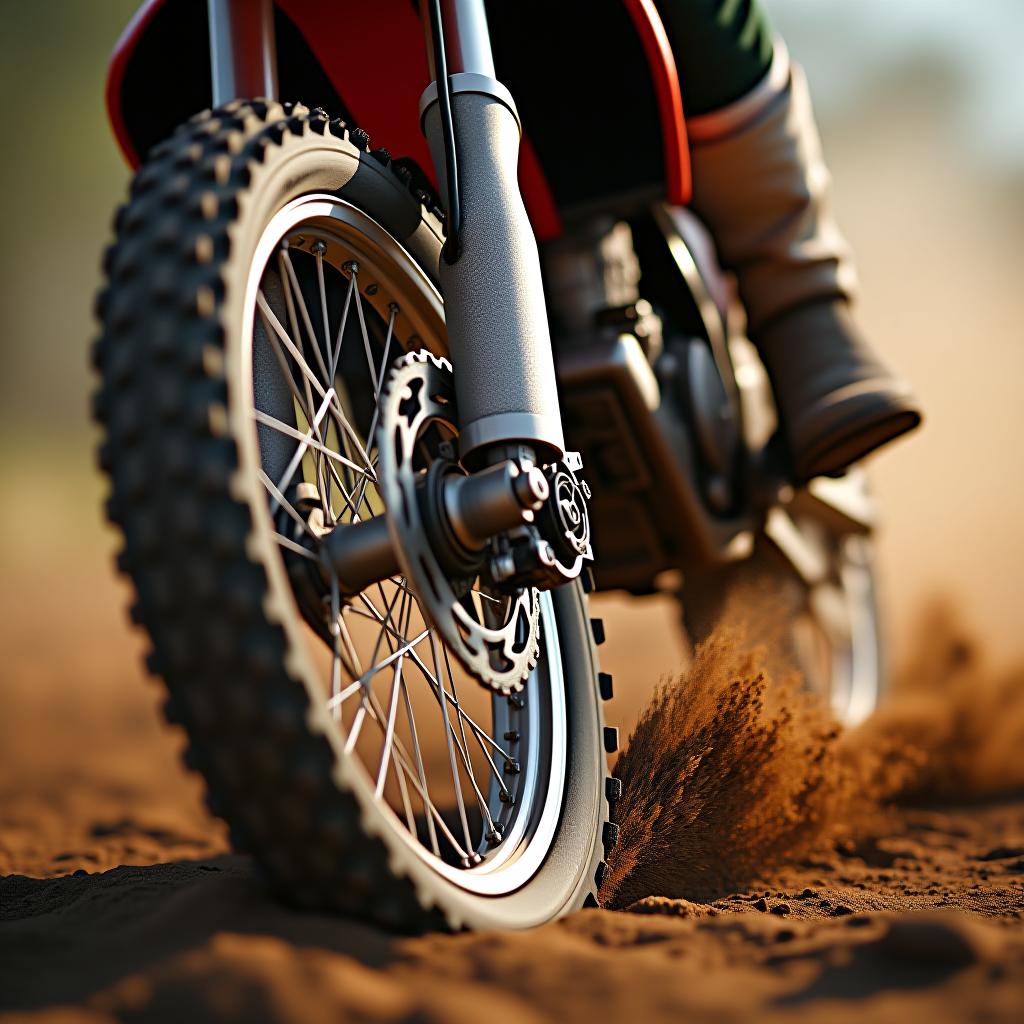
(494, 634)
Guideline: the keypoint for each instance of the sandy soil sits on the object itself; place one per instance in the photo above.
(120, 901)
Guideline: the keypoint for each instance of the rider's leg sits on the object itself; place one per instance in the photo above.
(761, 186)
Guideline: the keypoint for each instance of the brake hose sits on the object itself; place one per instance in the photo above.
(444, 98)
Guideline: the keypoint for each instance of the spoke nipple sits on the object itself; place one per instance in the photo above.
(506, 797)
(319, 247)
(512, 736)
(471, 861)
(494, 836)
(393, 307)
(512, 767)
(517, 701)
(351, 266)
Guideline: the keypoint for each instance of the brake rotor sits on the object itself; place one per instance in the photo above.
(496, 637)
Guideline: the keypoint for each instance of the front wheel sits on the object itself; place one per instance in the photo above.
(267, 272)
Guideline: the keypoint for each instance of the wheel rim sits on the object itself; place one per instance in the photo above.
(836, 638)
(410, 727)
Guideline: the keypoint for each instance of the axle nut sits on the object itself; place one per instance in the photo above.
(531, 488)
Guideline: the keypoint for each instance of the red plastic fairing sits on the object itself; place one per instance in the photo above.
(381, 78)
(115, 76)
(379, 70)
(651, 30)
(375, 57)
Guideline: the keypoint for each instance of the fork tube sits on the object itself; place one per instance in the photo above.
(494, 297)
(243, 52)
(467, 43)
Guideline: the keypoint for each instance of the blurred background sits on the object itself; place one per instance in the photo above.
(921, 106)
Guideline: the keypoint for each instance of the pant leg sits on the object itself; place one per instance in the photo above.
(723, 48)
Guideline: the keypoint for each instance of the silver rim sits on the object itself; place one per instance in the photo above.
(836, 638)
(471, 781)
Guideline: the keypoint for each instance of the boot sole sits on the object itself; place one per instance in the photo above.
(850, 424)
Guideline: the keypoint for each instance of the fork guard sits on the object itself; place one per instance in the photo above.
(498, 332)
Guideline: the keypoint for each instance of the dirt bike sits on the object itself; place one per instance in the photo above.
(363, 466)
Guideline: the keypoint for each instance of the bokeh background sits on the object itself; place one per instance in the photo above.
(921, 106)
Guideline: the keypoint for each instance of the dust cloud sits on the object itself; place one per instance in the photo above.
(731, 773)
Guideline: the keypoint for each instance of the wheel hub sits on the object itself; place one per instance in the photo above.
(494, 635)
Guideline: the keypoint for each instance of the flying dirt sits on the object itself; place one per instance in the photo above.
(730, 775)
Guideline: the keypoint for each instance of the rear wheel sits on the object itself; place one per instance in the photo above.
(267, 273)
(828, 630)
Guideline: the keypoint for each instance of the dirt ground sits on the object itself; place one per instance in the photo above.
(119, 899)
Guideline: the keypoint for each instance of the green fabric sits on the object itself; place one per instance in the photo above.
(723, 48)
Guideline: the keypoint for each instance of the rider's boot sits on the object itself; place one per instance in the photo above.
(761, 186)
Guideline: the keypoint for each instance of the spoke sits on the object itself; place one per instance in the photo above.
(336, 353)
(360, 497)
(287, 259)
(280, 336)
(339, 417)
(339, 632)
(494, 767)
(403, 789)
(307, 411)
(396, 684)
(357, 724)
(371, 433)
(451, 753)
(301, 450)
(464, 748)
(324, 484)
(411, 718)
(433, 815)
(482, 735)
(401, 757)
(323, 300)
(277, 331)
(379, 666)
(357, 666)
(366, 334)
(297, 549)
(305, 403)
(335, 631)
(385, 621)
(390, 659)
(270, 421)
(283, 502)
(421, 786)
(343, 695)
